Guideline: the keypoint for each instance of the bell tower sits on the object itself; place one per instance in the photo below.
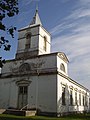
(33, 40)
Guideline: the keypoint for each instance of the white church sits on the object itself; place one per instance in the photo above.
(38, 79)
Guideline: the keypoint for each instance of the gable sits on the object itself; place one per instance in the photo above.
(63, 56)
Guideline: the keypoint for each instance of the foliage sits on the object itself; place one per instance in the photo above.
(8, 8)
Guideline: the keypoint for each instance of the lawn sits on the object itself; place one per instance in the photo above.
(71, 117)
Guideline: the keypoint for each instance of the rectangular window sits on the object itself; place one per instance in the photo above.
(79, 98)
(75, 98)
(63, 95)
(20, 90)
(71, 97)
(23, 89)
(27, 46)
(86, 100)
(83, 100)
(28, 41)
(45, 44)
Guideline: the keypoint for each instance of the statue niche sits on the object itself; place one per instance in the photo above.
(24, 68)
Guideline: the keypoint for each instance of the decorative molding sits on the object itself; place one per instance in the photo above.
(71, 87)
(83, 92)
(34, 72)
(72, 81)
(25, 67)
(63, 56)
(23, 82)
(63, 84)
(75, 89)
(80, 91)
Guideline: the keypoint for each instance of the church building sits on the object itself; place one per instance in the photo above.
(38, 79)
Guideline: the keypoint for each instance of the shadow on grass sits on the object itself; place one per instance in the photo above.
(70, 117)
(78, 117)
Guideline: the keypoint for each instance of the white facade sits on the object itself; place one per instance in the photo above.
(38, 79)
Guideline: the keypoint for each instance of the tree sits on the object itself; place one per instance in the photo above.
(8, 8)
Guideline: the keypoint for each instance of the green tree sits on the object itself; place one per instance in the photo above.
(8, 8)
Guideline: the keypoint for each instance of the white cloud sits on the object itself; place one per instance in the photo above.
(85, 13)
(83, 2)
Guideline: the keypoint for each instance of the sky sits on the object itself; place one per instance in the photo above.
(68, 22)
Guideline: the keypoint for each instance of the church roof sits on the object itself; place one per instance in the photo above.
(36, 19)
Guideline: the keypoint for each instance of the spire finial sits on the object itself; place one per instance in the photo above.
(36, 18)
(37, 7)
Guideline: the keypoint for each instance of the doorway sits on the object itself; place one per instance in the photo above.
(22, 97)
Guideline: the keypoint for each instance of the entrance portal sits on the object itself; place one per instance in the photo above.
(22, 97)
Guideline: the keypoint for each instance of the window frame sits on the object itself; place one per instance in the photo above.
(83, 100)
(80, 99)
(63, 96)
(62, 67)
(23, 90)
(76, 102)
(28, 41)
(45, 43)
(71, 97)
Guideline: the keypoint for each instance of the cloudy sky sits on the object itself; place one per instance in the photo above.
(68, 21)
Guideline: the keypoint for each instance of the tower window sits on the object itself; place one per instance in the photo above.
(62, 67)
(28, 41)
(45, 44)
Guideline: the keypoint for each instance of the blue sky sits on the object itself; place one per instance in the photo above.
(68, 21)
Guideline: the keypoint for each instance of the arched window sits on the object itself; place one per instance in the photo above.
(62, 67)
(28, 41)
(45, 43)
(24, 68)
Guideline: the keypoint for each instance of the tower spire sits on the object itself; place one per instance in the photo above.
(36, 19)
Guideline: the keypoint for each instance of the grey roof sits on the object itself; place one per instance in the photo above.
(36, 19)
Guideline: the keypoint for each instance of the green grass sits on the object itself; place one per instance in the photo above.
(70, 117)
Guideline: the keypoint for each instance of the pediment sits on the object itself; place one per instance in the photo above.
(23, 82)
(63, 57)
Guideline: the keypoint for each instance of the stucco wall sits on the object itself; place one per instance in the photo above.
(61, 81)
(46, 81)
(8, 93)
(42, 93)
(34, 39)
(37, 39)
(43, 33)
(43, 62)
(41, 85)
